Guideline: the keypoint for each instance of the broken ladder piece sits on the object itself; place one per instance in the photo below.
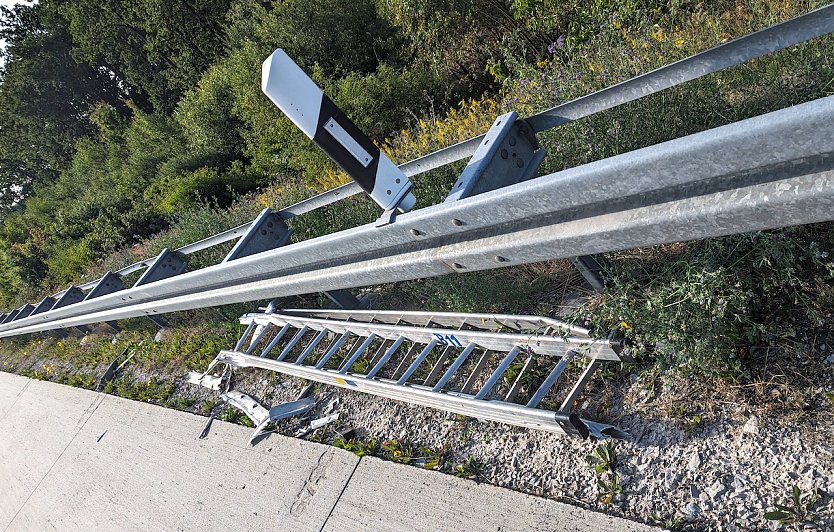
(493, 367)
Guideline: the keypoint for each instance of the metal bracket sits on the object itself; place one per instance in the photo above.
(24, 312)
(509, 154)
(268, 231)
(11, 316)
(590, 269)
(167, 264)
(72, 296)
(390, 215)
(46, 303)
(114, 367)
(344, 299)
(108, 284)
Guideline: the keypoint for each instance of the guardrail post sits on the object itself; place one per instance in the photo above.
(24, 312)
(166, 264)
(108, 284)
(509, 154)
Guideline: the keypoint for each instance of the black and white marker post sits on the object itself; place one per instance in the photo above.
(318, 117)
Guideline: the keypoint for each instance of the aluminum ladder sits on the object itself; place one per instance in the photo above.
(495, 367)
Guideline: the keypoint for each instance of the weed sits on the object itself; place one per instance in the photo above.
(430, 458)
(399, 451)
(471, 468)
(181, 403)
(361, 366)
(534, 375)
(703, 307)
(609, 488)
(208, 406)
(603, 458)
(233, 415)
(693, 422)
(358, 447)
(800, 509)
(669, 522)
(404, 452)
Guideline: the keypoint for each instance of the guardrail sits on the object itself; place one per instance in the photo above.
(765, 172)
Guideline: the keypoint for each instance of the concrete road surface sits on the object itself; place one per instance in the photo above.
(72, 459)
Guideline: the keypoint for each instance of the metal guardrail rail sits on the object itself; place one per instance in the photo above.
(494, 367)
(766, 172)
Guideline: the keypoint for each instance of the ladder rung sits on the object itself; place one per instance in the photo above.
(502, 368)
(257, 339)
(301, 332)
(387, 356)
(454, 367)
(275, 340)
(586, 376)
(479, 368)
(518, 380)
(380, 352)
(550, 380)
(332, 350)
(352, 360)
(406, 360)
(309, 349)
(332, 343)
(417, 361)
(248, 330)
(438, 366)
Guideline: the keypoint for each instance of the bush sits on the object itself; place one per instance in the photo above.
(707, 307)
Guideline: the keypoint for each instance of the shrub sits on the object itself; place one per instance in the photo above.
(709, 305)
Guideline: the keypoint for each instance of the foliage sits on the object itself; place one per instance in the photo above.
(603, 461)
(709, 305)
(161, 48)
(801, 508)
(405, 452)
(358, 447)
(669, 522)
(609, 487)
(603, 458)
(44, 98)
(470, 468)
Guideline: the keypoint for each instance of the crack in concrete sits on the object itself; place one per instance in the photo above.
(94, 405)
(17, 397)
(341, 493)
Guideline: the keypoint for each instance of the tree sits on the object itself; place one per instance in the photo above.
(161, 47)
(45, 98)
